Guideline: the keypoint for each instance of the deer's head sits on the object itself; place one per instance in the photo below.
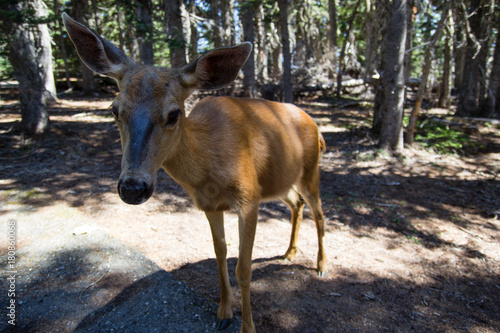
(149, 108)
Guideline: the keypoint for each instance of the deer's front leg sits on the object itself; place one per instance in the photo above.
(247, 226)
(225, 314)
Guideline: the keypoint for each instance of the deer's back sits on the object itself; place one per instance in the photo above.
(264, 146)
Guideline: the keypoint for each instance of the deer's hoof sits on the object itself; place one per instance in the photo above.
(223, 324)
(321, 274)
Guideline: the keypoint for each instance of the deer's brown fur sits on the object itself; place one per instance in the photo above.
(229, 153)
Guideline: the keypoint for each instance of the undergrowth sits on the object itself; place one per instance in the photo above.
(442, 138)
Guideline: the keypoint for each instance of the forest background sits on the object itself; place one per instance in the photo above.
(390, 48)
(412, 230)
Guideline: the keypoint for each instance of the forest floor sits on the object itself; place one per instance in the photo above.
(413, 243)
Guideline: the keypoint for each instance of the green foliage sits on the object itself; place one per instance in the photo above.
(406, 121)
(13, 13)
(6, 69)
(442, 138)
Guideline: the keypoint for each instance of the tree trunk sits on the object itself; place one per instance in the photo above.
(227, 10)
(383, 14)
(344, 46)
(262, 47)
(144, 31)
(391, 137)
(445, 91)
(371, 40)
(277, 63)
(332, 38)
(119, 23)
(494, 87)
(247, 20)
(473, 87)
(175, 33)
(43, 43)
(287, 57)
(410, 135)
(193, 36)
(80, 10)
(460, 53)
(412, 13)
(217, 30)
(27, 70)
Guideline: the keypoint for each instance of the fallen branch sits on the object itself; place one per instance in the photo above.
(94, 283)
(470, 233)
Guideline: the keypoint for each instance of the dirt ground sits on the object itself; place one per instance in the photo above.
(412, 242)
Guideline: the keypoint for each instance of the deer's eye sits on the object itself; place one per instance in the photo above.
(172, 118)
(115, 112)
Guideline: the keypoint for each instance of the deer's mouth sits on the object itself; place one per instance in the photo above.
(134, 191)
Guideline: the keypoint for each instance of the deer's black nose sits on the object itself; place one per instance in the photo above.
(133, 191)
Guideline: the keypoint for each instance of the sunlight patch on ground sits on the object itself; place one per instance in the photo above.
(330, 129)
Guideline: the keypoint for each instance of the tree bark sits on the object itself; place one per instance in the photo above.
(412, 13)
(410, 135)
(193, 36)
(24, 59)
(383, 14)
(144, 31)
(262, 46)
(247, 20)
(332, 39)
(371, 40)
(460, 53)
(44, 57)
(287, 57)
(473, 86)
(119, 22)
(277, 63)
(227, 10)
(176, 36)
(222, 22)
(494, 87)
(217, 30)
(445, 91)
(391, 137)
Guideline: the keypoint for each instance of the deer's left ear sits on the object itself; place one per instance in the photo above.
(217, 68)
(97, 53)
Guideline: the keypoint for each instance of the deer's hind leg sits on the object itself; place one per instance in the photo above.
(296, 204)
(309, 189)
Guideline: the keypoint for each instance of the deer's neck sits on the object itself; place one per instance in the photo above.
(189, 158)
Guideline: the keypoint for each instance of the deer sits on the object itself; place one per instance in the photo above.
(229, 153)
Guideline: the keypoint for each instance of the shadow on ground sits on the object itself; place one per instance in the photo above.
(80, 289)
(87, 286)
(357, 301)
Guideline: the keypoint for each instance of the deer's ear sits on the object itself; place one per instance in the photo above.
(97, 53)
(217, 68)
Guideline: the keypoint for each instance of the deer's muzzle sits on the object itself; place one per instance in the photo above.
(134, 191)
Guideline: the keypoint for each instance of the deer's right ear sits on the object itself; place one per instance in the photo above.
(217, 68)
(97, 53)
